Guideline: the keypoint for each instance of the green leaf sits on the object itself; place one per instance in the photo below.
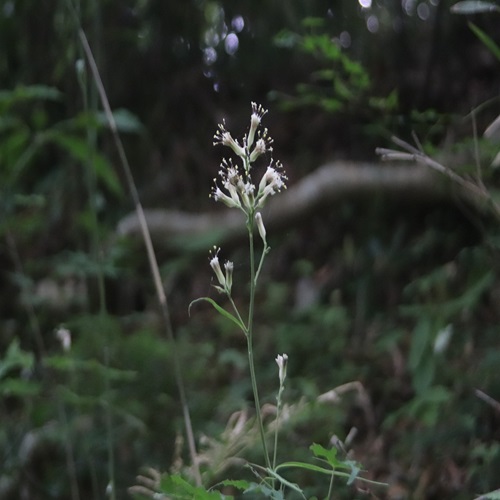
(284, 482)
(80, 150)
(265, 491)
(238, 484)
(18, 387)
(178, 488)
(220, 310)
(306, 466)
(68, 364)
(15, 358)
(420, 342)
(286, 39)
(330, 455)
(486, 40)
(347, 465)
(313, 22)
(423, 374)
(124, 119)
(474, 7)
(27, 93)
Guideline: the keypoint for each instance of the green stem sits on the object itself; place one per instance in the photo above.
(278, 414)
(250, 340)
(264, 253)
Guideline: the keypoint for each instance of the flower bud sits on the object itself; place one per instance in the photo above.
(281, 361)
(260, 226)
(229, 267)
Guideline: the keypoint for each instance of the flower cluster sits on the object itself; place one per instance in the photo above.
(237, 188)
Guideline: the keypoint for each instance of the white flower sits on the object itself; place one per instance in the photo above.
(257, 113)
(219, 195)
(215, 265)
(262, 146)
(222, 136)
(64, 336)
(230, 177)
(272, 182)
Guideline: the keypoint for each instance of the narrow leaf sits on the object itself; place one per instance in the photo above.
(304, 465)
(488, 42)
(286, 483)
(220, 310)
(26, 93)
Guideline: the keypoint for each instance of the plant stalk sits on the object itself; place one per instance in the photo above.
(250, 341)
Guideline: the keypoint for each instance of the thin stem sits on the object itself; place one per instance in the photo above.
(262, 257)
(278, 414)
(250, 341)
(109, 430)
(68, 447)
(330, 488)
(162, 299)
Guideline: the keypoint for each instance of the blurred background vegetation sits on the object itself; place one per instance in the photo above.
(401, 296)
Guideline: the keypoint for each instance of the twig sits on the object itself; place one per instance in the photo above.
(487, 399)
(414, 154)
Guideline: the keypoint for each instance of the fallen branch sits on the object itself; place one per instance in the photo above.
(324, 187)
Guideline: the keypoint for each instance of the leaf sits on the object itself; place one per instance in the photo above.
(265, 491)
(80, 150)
(313, 22)
(15, 358)
(423, 374)
(330, 455)
(284, 482)
(27, 93)
(474, 7)
(179, 488)
(220, 310)
(486, 40)
(347, 464)
(306, 466)
(124, 119)
(492, 495)
(68, 364)
(238, 484)
(18, 387)
(286, 39)
(420, 342)
(355, 470)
